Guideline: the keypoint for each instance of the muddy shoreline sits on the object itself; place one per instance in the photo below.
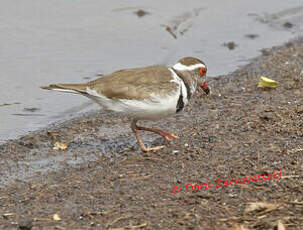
(102, 180)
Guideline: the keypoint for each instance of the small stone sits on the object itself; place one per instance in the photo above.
(266, 116)
(31, 109)
(141, 13)
(230, 45)
(252, 36)
(288, 25)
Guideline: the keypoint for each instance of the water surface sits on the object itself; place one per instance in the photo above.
(45, 42)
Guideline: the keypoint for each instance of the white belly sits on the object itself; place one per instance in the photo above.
(154, 109)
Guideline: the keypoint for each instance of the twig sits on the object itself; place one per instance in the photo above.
(169, 30)
(118, 219)
(137, 226)
(61, 228)
(295, 202)
(290, 176)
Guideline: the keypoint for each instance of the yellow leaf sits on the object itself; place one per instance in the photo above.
(60, 146)
(260, 206)
(56, 217)
(265, 82)
(280, 226)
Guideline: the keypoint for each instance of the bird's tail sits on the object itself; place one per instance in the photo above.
(69, 88)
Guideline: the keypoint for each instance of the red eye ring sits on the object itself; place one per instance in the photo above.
(203, 71)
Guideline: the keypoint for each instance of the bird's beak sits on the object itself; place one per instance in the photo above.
(205, 88)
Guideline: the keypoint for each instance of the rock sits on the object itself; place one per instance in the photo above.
(299, 109)
(25, 225)
(230, 45)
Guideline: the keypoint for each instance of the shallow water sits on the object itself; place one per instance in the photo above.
(45, 42)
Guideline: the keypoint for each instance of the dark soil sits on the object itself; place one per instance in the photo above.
(250, 138)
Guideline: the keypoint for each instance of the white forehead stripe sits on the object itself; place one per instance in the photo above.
(180, 66)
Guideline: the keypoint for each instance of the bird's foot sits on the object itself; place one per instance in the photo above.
(166, 135)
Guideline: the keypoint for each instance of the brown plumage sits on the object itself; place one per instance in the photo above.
(138, 83)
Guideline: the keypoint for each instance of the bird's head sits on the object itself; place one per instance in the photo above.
(197, 70)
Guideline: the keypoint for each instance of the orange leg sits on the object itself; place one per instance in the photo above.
(164, 134)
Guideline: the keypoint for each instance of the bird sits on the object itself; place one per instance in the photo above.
(146, 93)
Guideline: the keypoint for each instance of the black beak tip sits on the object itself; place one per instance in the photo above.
(207, 91)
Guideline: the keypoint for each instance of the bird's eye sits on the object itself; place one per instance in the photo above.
(203, 71)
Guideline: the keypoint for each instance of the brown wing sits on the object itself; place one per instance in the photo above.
(137, 84)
